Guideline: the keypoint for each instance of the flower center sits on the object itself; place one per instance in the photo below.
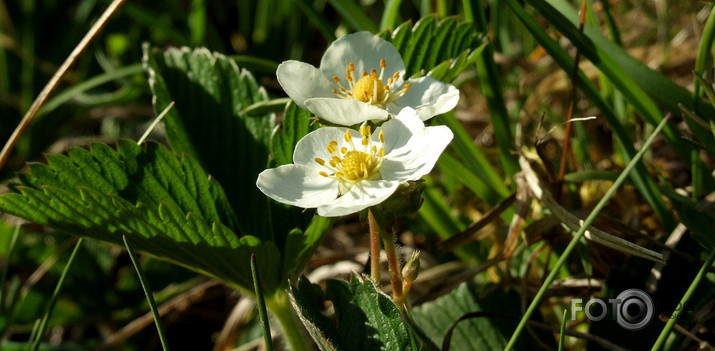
(352, 165)
(370, 88)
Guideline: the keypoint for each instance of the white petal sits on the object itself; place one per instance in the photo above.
(361, 196)
(302, 81)
(314, 145)
(428, 96)
(297, 185)
(418, 157)
(365, 50)
(399, 130)
(343, 111)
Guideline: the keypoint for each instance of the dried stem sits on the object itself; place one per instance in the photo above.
(45, 93)
(572, 103)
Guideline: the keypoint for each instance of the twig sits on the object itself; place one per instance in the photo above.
(572, 104)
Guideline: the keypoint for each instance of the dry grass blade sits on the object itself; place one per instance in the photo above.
(45, 93)
(574, 223)
(469, 235)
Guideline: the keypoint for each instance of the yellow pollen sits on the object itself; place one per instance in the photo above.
(354, 163)
(371, 88)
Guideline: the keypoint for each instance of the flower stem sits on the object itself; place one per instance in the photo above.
(374, 247)
(395, 278)
(293, 330)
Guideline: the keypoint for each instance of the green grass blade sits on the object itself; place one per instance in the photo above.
(149, 295)
(611, 23)
(326, 28)
(491, 88)
(664, 91)
(688, 294)
(631, 77)
(260, 300)
(53, 299)
(89, 84)
(574, 242)
(262, 108)
(602, 59)
(262, 17)
(709, 91)
(353, 15)
(27, 40)
(197, 22)
(391, 15)
(562, 333)
(255, 64)
(641, 179)
(451, 165)
(701, 60)
(6, 268)
(472, 157)
(491, 84)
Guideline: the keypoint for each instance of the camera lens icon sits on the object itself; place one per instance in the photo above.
(635, 309)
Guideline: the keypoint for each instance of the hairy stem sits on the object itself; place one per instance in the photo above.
(394, 266)
(374, 247)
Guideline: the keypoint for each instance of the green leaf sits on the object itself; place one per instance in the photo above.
(300, 245)
(296, 124)
(430, 43)
(168, 207)
(210, 91)
(489, 332)
(365, 318)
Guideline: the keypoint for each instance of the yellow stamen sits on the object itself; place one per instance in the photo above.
(370, 88)
(353, 165)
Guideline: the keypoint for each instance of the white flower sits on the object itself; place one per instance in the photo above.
(361, 77)
(343, 171)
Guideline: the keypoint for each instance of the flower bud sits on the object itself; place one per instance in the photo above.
(407, 199)
(411, 269)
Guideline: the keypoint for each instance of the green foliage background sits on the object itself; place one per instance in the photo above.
(189, 197)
